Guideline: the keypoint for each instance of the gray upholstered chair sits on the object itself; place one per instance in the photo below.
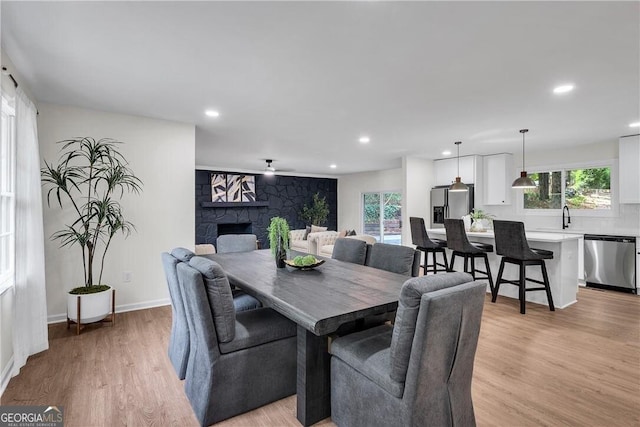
(511, 243)
(238, 361)
(418, 372)
(236, 243)
(179, 338)
(424, 243)
(394, 258)
(350, 250)
(459, 243)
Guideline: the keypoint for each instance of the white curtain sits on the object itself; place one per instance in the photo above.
(30, 333)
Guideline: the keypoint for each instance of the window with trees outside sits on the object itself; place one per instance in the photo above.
(580, 189)
(382, 216)
(7, 196)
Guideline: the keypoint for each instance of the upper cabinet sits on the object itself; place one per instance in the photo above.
(497, 178)
(629, 166)
(447, 170)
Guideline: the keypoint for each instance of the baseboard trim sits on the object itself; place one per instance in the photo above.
(6, 376)
(59, 318)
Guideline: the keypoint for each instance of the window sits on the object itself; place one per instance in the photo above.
(7, 196)
(382, 216)
(586, 189)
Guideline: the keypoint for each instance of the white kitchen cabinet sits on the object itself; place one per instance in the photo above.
(447, 170)
(497, 178)
(629, 176)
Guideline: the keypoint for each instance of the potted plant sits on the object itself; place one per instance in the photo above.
(317, 213)
(279, 239)
(481, 220)
(93, 176)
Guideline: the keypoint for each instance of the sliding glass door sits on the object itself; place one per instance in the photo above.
(381, 216)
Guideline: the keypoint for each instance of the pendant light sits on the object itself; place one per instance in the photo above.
(524, 181)
(458, 185)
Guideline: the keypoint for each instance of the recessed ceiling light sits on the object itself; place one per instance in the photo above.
(364, 140)
(446, 153)
(634, 125)
(212, 113)
(563, 88)
(333, 166)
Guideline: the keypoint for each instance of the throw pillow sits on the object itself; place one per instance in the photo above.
(306, 232)
(352, 233)
(342, 233)
(316, 229)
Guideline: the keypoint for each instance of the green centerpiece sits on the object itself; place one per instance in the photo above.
(279, 239)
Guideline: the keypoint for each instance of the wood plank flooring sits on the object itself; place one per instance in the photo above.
(574, 367)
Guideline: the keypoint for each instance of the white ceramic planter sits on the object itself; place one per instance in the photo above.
(93, 307)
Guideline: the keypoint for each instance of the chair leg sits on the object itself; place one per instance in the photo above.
(444, 256)
(486, 265)
(494, 296)
(522, 288)
(547, 288)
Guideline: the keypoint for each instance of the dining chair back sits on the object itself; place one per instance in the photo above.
(394, 258)
(350, 250)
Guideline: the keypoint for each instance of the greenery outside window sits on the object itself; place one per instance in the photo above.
(382, 216)
(583, 189)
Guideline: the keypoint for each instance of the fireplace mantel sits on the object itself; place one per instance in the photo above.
(234, 204)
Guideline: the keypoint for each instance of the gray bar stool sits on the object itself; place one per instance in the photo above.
(420, 238)
(458, 242)
(511, 243)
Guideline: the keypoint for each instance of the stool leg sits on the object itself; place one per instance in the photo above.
(453, 258)
(494, 296)
(435, 263)
(444, 256)
(473, 266)
(547, 288)
(521, 285)
(486, 264)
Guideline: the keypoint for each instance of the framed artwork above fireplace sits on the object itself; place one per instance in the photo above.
(232, 188)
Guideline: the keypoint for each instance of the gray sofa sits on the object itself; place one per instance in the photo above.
(238, 361)
(418, 372)
(179, 338)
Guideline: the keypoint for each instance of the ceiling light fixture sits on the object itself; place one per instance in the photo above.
(212, 113)
(446, 153)
(333, 166)
(563, 88)
(269, 170)
(524, 181)
(458, 185)
(634, 125)
(364, 140)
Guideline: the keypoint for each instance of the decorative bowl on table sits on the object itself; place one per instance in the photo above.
(304, 262)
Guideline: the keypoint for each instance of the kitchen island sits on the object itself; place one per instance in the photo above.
(562, 269)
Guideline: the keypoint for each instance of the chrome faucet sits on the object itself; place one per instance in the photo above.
(568, 217)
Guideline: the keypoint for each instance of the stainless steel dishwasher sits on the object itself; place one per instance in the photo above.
(610, 261)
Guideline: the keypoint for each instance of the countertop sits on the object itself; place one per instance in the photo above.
(534, 236)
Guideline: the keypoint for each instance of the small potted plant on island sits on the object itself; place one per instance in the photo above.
(279, 239)
(93, 176)
(481, 220)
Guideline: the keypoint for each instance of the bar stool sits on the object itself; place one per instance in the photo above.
(458, 242)
(420, 238)
(511, 243)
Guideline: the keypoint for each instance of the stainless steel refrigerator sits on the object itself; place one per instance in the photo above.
(446, 204)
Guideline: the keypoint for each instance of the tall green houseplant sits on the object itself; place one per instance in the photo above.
(93, 176)
(317, 213)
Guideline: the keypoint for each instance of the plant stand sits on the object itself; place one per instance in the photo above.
(110, 318)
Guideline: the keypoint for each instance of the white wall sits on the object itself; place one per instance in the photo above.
(162, 155)
(418, 175)
(351, 187)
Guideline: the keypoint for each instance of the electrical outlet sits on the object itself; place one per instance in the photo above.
(127, 276)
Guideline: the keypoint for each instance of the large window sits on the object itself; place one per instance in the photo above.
(7, 196)
(587, 189)
(382, 216)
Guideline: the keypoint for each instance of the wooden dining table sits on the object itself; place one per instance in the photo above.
(318, 301)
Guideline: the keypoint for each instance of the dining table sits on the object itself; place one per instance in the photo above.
(318, 300)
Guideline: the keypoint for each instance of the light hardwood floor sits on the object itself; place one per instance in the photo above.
(574, 367)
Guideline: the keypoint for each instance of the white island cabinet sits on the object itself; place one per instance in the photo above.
(562, 269)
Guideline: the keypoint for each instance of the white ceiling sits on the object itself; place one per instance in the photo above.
(299, 82)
